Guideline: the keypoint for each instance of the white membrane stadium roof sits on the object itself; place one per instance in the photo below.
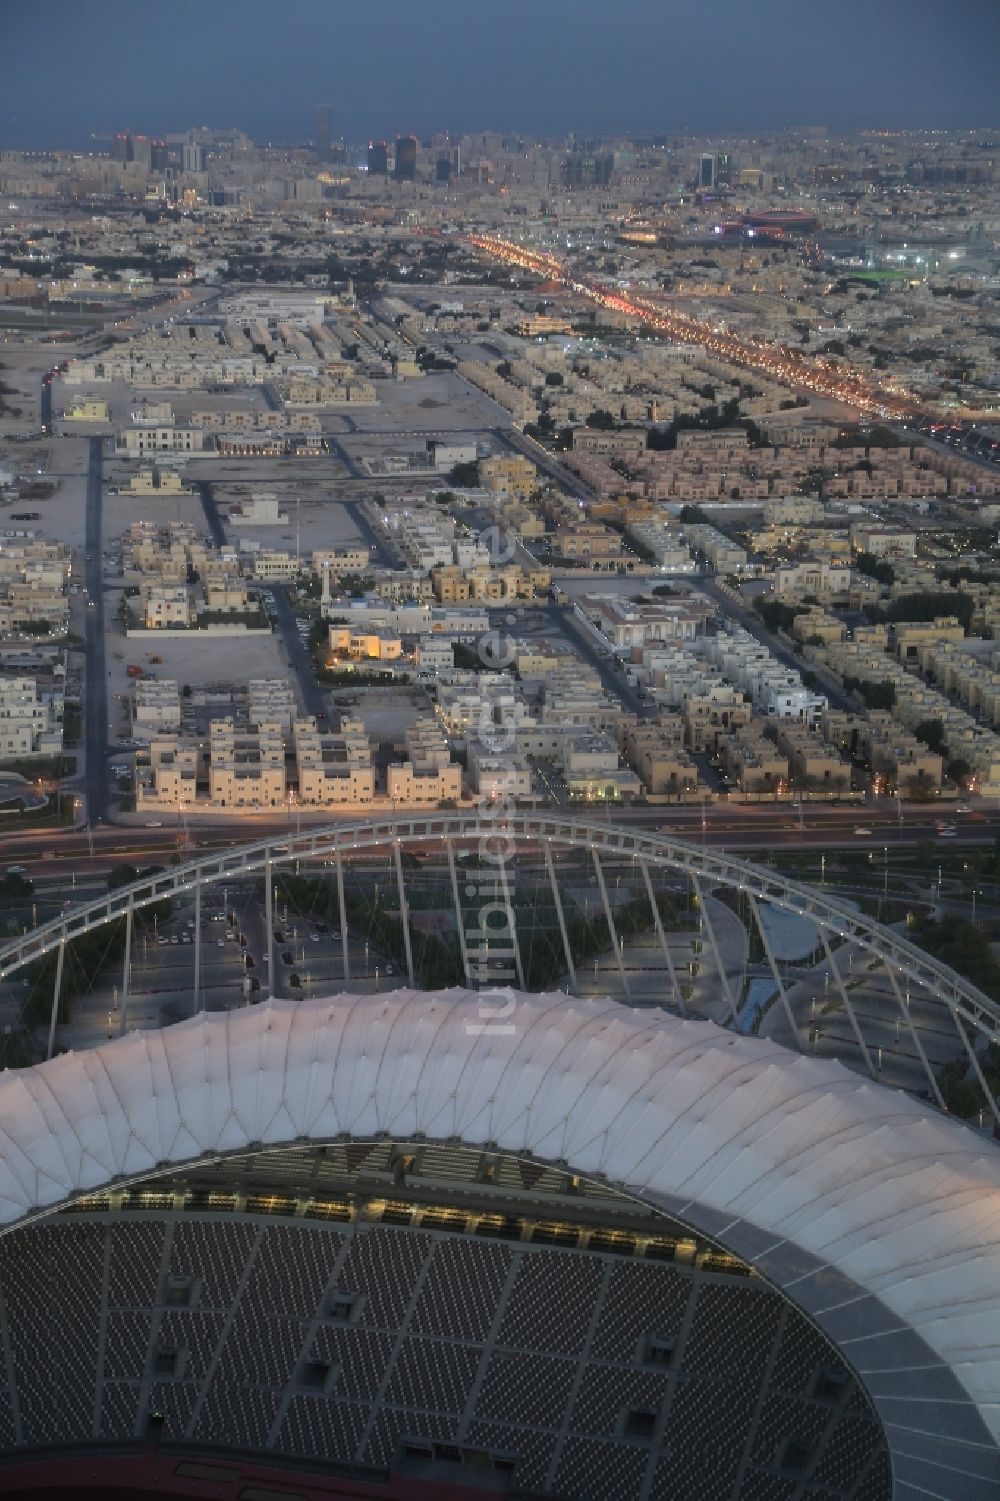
(867, 1180)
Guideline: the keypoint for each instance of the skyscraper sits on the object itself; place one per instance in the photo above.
(723, 170)
(193, 158)
(406, 158)
(324, 131)
(706, 173)
(378, 158)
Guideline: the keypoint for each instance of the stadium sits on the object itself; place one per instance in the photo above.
(452, 1242)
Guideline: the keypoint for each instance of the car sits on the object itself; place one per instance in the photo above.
(162, 940)
(863, 831)
(174, 938)
(314, 938)
(947, 833)
(220, 943)
(390, 969)
(279, 936)
(154, 824)
(294, 981)
(963, 808)
(186, 938)
(286, 957)
(230, 933)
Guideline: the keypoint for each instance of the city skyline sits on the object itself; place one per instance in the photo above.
(88, 70)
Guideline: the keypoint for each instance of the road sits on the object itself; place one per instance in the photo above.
(213, 520)
(385, 554)
(335, 446)
(950, 449)
(612, 676)
(571, 483)
(95, 709)
(743, 829)
(299, 658)
(752, 622)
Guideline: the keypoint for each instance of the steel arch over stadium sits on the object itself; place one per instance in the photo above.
(975, 1018)
(877, 1216)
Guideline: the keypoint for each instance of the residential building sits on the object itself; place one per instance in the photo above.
(427, 775)
(156, 706)
(333, 768)
(246, 765)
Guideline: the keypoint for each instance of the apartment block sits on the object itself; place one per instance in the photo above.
(165, 606)
(30, 719)
(156, 706)
(271, 700)
(656, 754)
(166, 775)
(427, 774)
(756, 764)
(333, 768)
(246, 765)
(592, 770)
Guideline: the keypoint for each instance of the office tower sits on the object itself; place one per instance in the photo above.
(604, 165)
(193, 158)
(706, 174)
(723, 170)
(158, 156)
(378, 158)
(324, 131)
(442, 170)
(121, 147)
(142, 152)
(406, 158)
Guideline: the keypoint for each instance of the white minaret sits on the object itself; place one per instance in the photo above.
(326, 597)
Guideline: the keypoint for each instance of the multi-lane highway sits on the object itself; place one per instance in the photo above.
(747, 829)
(822, 377)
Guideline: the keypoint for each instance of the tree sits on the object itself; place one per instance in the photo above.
(775, 614)
(465, 476)
(875, 568)
(601, 419)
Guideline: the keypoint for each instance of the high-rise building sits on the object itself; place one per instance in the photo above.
(121, 147)
(193, 158)
(604, 165)
(706, 173)
(443, 169)
(158, 156)
(723, 170)
(406, 158)
(142, 152)
(324, 131)
(378, 158)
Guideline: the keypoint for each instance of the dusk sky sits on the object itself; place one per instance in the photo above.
(70, 68)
